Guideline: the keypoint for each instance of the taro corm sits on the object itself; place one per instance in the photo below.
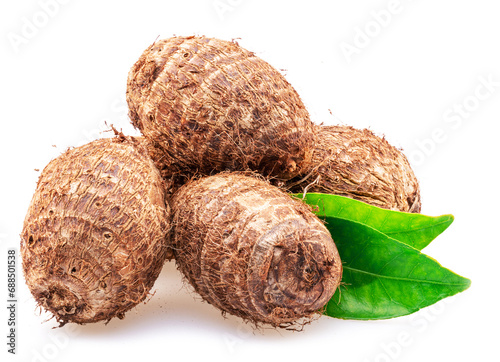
(361, 165)
(214, 106)
(253, 251)
(94, 238)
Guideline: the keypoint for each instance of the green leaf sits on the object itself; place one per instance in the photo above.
(416, 230)
(384, 278)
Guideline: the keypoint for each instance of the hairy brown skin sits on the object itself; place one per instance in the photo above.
(171, 180)
(360, 165)
(214, 106)
(251, 250)
(94, 238)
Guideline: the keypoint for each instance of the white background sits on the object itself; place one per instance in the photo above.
(410, 70)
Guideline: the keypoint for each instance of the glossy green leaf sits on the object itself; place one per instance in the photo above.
(416, 230)
(384, 278)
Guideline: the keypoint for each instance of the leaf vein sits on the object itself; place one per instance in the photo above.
(435, 282)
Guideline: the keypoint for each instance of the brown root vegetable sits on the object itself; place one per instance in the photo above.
(214, 106)
(251, 250)
(171, 180)
(95, 236)
(360, 165)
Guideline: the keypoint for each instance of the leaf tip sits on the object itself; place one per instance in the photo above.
(467, 283)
